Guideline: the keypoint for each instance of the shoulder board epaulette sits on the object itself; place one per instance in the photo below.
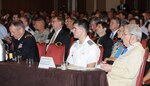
(75, 41)
(29, 35)
(90, 42)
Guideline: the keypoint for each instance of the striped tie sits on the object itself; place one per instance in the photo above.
(111, 36)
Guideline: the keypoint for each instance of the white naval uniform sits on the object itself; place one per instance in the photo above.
(83, 54)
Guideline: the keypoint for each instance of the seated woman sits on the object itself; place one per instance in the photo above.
(118, 46)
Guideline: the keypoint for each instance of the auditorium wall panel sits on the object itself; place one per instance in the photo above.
(27, 5)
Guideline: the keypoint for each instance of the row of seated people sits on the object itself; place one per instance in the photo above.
(118, 47)
(107, 39)
(25, 47)
(103, 34)
(42, 35)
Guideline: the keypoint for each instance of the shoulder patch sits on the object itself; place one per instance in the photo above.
(90, 42)
(28, 36)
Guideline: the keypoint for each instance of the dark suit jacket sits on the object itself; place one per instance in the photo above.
(125, 8)
(107, 44)
(26, 47)
(115, 38)
(64, 38)
(144, 36)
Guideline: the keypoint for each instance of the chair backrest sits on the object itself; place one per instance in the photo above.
(101, 53)
(144, 43)
(141, 72)
(71, 41)
(56, 52)
(147, 82)
(41, 49)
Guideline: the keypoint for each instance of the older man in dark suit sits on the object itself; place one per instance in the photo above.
(114, 26)
(59, 34)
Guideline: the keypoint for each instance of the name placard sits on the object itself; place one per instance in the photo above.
(46, 62)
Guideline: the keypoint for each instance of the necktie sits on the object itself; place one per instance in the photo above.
(53, 38)
(125, 50)
(51, 41)
(112, 34)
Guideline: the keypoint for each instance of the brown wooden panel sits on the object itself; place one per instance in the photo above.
(130, 3)
(27, 5)
(142, 5)
(81, 5)
(62, 5)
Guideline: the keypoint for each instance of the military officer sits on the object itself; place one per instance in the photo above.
(24, 43)
(84, 52)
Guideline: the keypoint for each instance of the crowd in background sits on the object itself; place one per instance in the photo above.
(105, 28)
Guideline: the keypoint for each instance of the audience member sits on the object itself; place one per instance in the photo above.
(26, 23)
(123, 6)
(15, 17)
(103, 39)
(69, 23)
(93, 35)
(84, 52)
(136, 21)
(24, 44)
(114, 25)
(125, 69)
(41, 34)
(118, 47)
(4, 35)
(59, 34)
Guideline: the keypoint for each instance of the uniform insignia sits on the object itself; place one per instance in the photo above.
(29, 29)
(28, 36)
(20, 45)
(90, 42)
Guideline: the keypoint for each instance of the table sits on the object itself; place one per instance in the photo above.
(13, 74)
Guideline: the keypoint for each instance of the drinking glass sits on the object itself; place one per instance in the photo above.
(29, 61)
(64, 65)
(18, 59)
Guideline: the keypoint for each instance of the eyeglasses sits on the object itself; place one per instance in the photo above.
(120, 31)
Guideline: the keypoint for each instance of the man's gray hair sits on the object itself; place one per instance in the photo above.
(18, 24)
(134, 30)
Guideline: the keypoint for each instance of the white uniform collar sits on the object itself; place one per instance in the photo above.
(27, 28)
(85, 41)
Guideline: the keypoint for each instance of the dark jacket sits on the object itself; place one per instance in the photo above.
(64, 38)
(107, 44)
(26, 47)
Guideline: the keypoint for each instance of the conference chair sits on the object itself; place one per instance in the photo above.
(57, 52)
(41, 49)
(142, 68)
